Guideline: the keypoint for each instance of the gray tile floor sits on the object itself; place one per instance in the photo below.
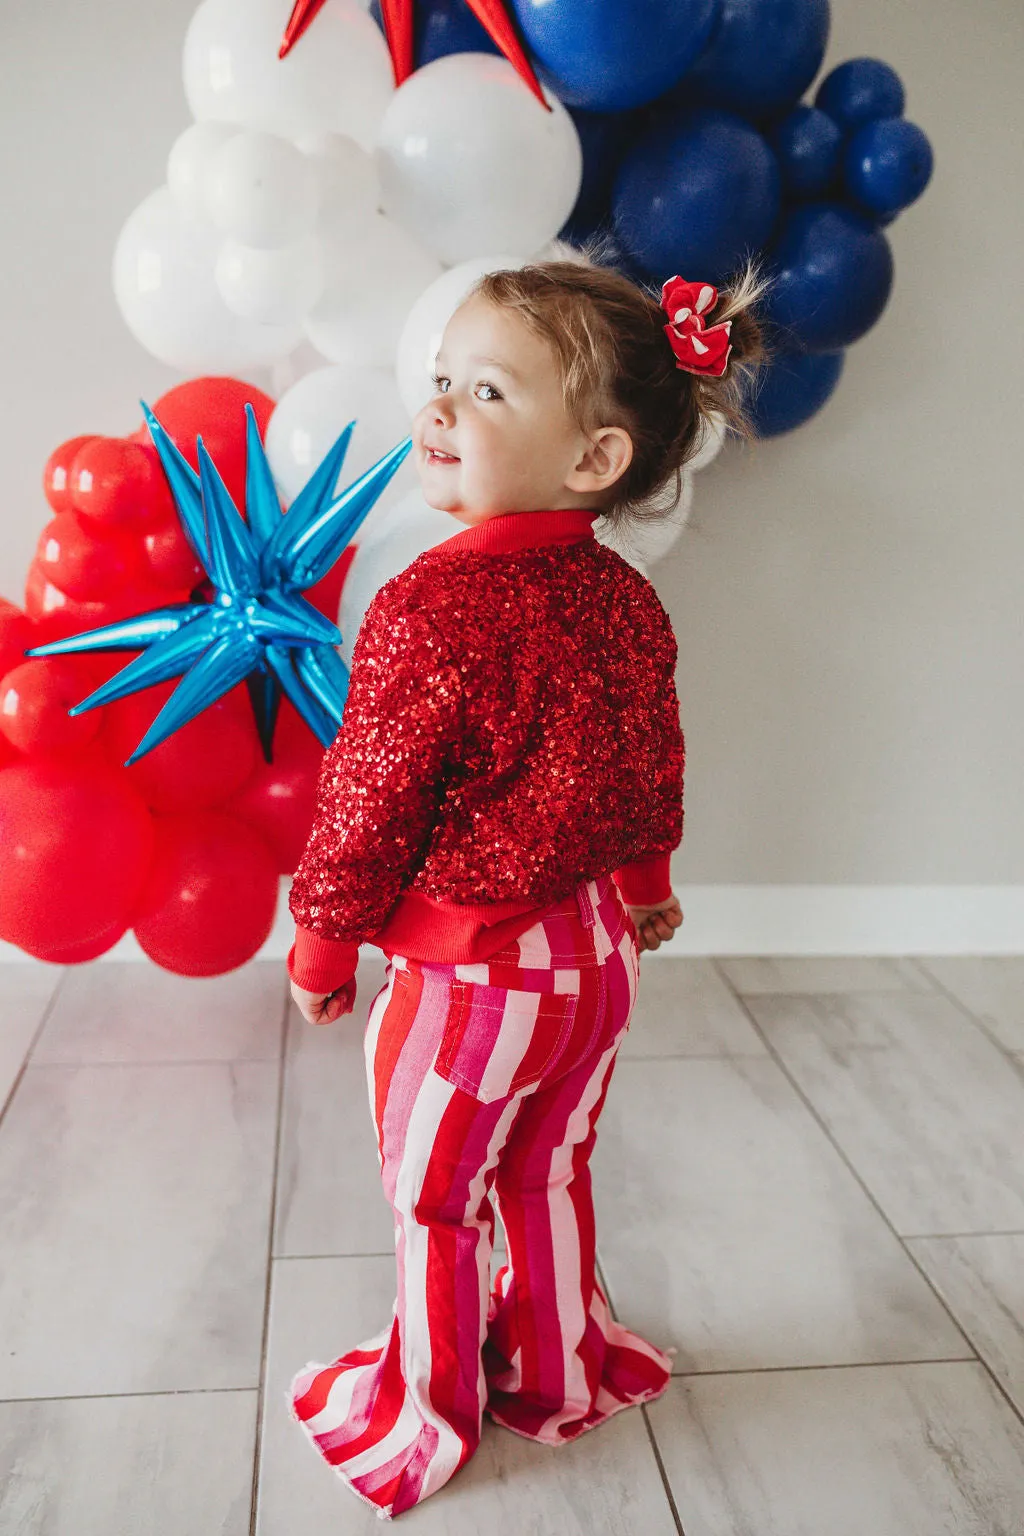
(809, 1178)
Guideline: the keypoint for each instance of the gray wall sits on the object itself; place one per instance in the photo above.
(848, 602)
(847, 599)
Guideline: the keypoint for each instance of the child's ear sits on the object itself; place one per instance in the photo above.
(607, 455)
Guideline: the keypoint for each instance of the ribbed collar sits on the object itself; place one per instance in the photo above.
(521, 530)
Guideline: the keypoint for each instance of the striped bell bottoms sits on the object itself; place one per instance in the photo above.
(489, 1078)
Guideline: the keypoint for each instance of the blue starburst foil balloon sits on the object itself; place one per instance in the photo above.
(257, 626)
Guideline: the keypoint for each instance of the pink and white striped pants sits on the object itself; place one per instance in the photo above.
(489, 1077)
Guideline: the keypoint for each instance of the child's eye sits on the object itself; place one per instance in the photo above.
(438, 381)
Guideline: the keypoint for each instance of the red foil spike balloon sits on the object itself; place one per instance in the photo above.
(494, 18)
(398, 28)
(302, 14)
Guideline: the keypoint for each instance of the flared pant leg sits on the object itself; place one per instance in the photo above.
(400, 1414)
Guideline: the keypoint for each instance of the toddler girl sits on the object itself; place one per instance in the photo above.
(497, 814)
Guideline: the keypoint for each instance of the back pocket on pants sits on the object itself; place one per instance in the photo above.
(497, 1042)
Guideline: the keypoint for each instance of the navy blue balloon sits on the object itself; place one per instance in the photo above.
(602, 139)
(832, 273)
(808, 144)
(887, 164)
(791, 388)
(694, 195)
(859, 90)
(762, 55)
(441, 27)
(611, 55)
(608, 250)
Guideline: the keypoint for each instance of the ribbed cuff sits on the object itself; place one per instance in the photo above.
(644, 882)
(319, 964)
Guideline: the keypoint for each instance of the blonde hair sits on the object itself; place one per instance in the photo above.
(618, 369)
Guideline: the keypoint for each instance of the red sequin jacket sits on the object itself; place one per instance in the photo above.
(511, 728)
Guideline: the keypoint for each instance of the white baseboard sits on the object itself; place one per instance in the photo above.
(771, 920)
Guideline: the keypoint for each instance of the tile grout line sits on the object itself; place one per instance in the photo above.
(261, 1390)
(139, 1061)
(758, 1370)
(44, 1019)
(655, 1447)
(1018, 1413)
(666, 1485)
(826, 1365)
(913, 1237)
(102, 1397)
(943, 991)
(306, 1258)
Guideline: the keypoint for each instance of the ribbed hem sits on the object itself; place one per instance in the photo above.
(453, 933)
(318, 964)
(644, 882)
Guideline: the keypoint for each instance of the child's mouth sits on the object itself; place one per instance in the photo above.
(434, 457)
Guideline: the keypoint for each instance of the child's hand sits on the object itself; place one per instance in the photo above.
(318, 1009)
(656, 924)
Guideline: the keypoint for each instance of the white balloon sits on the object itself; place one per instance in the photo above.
(470, 162)
(711, 445)
(387, 542)
(426, 320)
(261, 191)
(308, 419)
(165, 289)
(336, 79)
(373, 276)
(189, 160)
(273, 287)
(287, 371)
(643, 544)
(348, 188)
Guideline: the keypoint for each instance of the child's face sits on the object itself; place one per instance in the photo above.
(498, 410)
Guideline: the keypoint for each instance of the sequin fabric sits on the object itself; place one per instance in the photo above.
(511, 728)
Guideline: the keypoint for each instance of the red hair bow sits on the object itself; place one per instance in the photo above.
(697, 350)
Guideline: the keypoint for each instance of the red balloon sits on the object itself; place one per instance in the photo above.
(209, 901)
(119, 482)
(8, 754)
(34, 703)
(167, 558)
(56, 614)
(75, 848)
(15, 635)
(86, 562)
(280, 797)
(214, 408)
(77, 954)
(200, 765)
(57, 473)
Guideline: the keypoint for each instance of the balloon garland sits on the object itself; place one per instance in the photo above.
(323, 187)
(183, 839)
(322, 217)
